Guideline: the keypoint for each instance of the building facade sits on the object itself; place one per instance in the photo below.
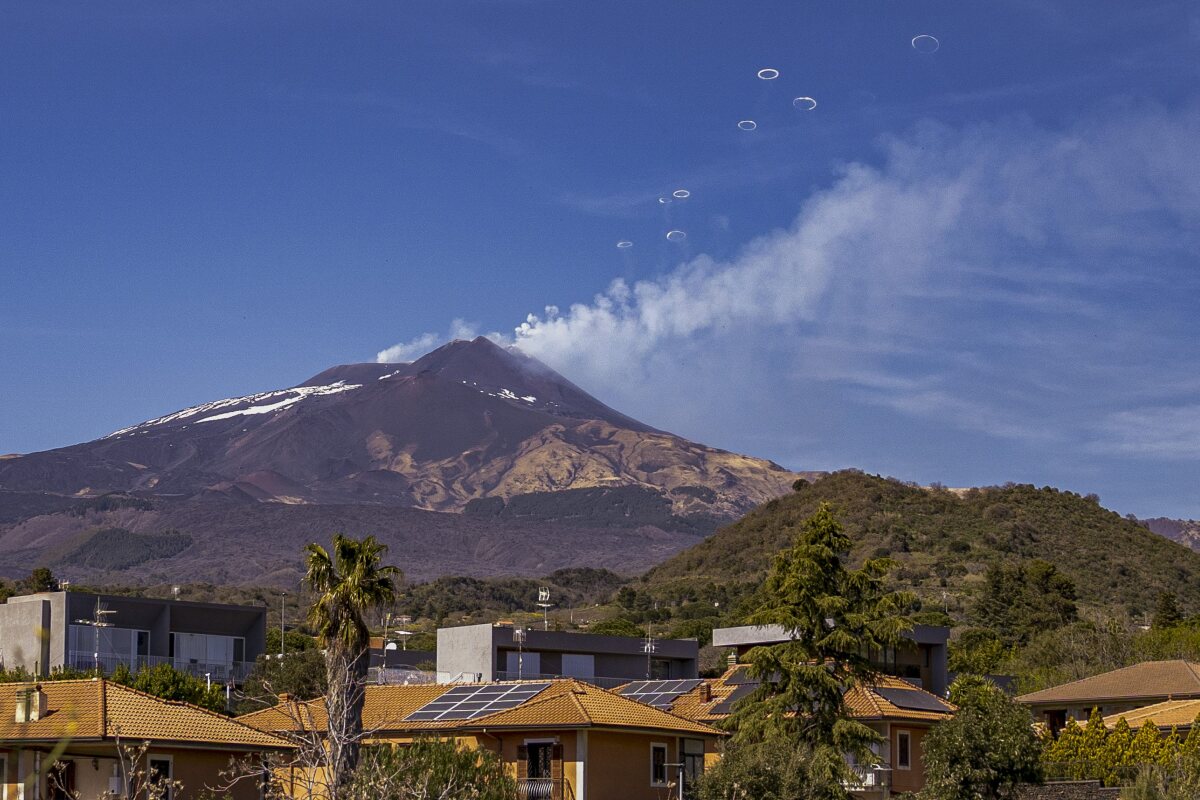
(920, 660)
(51, 630)
(489, 652)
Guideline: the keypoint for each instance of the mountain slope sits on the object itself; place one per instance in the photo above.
(1184, 531)
(551, 478)
(466, 421)
(944, 541)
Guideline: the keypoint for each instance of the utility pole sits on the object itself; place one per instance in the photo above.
(99, 620)
(282, 611)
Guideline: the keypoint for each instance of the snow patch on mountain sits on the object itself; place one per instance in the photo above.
(279, 399)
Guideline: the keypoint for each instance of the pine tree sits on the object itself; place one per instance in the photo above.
(837, 618)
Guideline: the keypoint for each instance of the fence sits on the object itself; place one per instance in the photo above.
(544, 789)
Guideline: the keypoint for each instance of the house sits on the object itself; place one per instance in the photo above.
(900, 712)
(920, 660)
(1115, 692)
(50, 630)
(562, 739)
(1169, 715)
(88, 726)
(501, 652)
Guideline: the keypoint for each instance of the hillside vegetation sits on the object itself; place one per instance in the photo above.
(944, 542)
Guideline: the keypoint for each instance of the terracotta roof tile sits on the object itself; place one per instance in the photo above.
(1151, 679)
(861, 701)
(563, 704)
(100, 709)
(1168, 714)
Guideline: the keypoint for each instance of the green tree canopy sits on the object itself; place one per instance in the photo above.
(985, 751)
(430, 768)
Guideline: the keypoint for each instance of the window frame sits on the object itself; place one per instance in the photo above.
(906, 750)
(170, 759)
(666, 751)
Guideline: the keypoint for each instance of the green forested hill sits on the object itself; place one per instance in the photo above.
(944, 541)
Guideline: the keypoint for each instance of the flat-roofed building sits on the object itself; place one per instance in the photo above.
(51, 630)
(490, 652)
(920, 660)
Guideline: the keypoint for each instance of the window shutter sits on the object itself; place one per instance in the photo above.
(556, 762)
(522, 762)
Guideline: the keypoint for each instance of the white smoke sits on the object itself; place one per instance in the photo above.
(419, 346)
(975, 278)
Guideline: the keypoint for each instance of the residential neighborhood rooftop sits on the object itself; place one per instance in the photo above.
(1169, 679)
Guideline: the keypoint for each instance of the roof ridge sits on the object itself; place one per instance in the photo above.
(185, 704)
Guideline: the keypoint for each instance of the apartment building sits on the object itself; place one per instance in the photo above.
(51, 630)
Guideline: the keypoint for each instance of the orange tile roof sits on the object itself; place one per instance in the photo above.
(1168, 714)
(565, 703)
(102, 710)
(863, 703)
(1151, 679)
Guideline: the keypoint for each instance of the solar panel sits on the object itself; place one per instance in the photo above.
(912, 699)
(659, 694)
(469, 702)
(739, 691)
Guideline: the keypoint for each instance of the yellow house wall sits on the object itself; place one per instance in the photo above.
(913, 778)
(619, 765)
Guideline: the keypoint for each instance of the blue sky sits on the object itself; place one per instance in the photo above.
(969, 266)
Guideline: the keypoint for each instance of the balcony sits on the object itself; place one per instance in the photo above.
(870, 779)
(603, 683)
(544, 789)
(219, 674)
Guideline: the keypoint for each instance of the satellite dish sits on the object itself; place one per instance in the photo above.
(390, 646)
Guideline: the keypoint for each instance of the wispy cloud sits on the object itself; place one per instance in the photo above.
(1002, 279)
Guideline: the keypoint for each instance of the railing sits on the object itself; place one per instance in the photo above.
(873, 777)
(217, 673)
(544, 789)
(398, 676)
(602, 682)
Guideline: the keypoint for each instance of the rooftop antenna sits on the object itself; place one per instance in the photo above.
(99, 620)
(545, 605)
(403, 619)
(649, 647)
(519, 635)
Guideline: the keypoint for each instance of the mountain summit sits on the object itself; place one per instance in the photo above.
(468, 421)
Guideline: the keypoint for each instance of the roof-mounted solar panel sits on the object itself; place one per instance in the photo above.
(659, 694)
(469, 702)
(912, 699)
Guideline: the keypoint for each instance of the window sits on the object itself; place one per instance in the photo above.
(3, 777)
(159, 778)
(658, 765)
(693, 761)
(540, 757)
(903, 750)
(660, 669)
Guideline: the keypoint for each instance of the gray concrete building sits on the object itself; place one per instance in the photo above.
(921, 660)
(494, 653)
(49, 630)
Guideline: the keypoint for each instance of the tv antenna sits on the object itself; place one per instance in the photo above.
(519, 635)
(649, 647)
(99, 620)
(545, 605)
(403, 619)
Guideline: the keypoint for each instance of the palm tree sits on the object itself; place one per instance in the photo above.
(348, 584)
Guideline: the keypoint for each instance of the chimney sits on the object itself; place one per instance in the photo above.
(31, 704)
(705, 692)
(284, 698)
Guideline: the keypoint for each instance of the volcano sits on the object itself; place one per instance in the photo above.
(472, 428)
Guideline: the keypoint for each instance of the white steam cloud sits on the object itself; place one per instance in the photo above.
(1003, 279)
